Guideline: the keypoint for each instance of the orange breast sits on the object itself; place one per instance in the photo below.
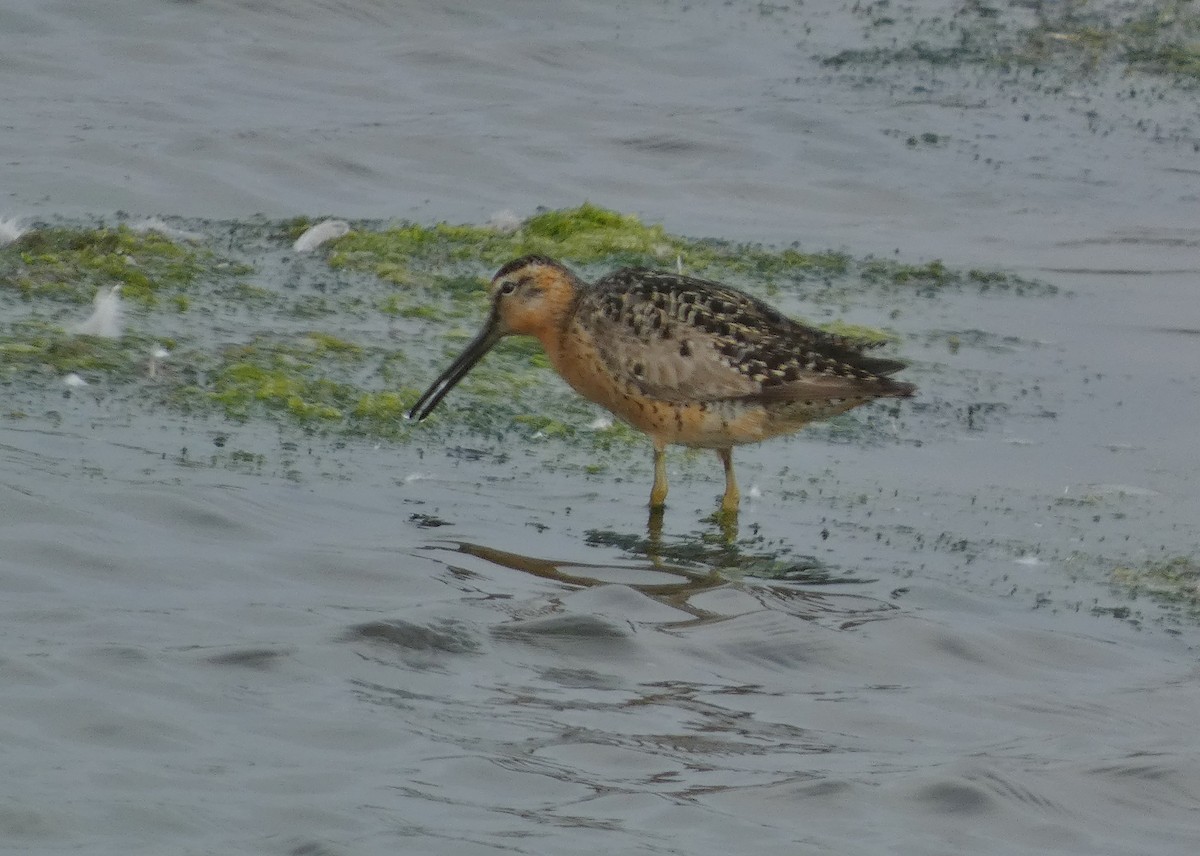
(574, 356)
(701, 424)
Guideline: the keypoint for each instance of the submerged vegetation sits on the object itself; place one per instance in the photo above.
(71, 264)
(35, 349)
(1173, 582)
(595, 239)
(343, 340)
(1159, 38)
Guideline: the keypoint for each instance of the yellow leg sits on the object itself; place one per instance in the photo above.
(729, 502)
(658, 493)
(654, 527)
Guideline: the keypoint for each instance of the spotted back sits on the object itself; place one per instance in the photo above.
(678, 338)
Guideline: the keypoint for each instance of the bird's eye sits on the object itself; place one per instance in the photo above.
(508, 287)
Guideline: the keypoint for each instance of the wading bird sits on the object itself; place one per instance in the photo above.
(681, 359)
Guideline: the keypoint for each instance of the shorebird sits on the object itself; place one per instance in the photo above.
(684, 360)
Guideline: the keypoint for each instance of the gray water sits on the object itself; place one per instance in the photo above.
(201, 654)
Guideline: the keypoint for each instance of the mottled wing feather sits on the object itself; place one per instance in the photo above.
(681, 339)
(832, 388)
(656, 369)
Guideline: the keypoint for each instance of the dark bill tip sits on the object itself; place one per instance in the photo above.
(457, 370)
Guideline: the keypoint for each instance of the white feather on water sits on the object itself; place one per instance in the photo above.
(505, 222)
(10, 230)
(319, 234)
(107, 318)
(74, 380)
(157, 355)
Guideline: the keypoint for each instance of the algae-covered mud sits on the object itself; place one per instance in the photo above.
(340, 342)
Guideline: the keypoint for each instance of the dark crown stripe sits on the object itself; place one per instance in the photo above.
(517, 264)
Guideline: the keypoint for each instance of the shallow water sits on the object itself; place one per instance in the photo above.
(348, 647)
(201, 660)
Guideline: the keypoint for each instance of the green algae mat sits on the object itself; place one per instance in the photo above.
(226, 318)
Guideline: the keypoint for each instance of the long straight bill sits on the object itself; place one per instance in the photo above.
(474, 352)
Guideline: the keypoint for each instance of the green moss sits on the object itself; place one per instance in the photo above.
(545, 426)
(618, 437)
(932, 273)
(590, 233)
(825, 263)
(1161, 38)
(240, 386)
(303, 378)
(390, 252)
(1178, 59)
(395, 273)
(1175, 581)
(424, 311)
(324, 343)
(38, 348)
(720, 259)
(297, 226)
(309, 372)
(312, 306)
(584, 234)
(314, 379)
(376, 407)
(74, 263)
(420, 258)
(246, 295)
(860, 333)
